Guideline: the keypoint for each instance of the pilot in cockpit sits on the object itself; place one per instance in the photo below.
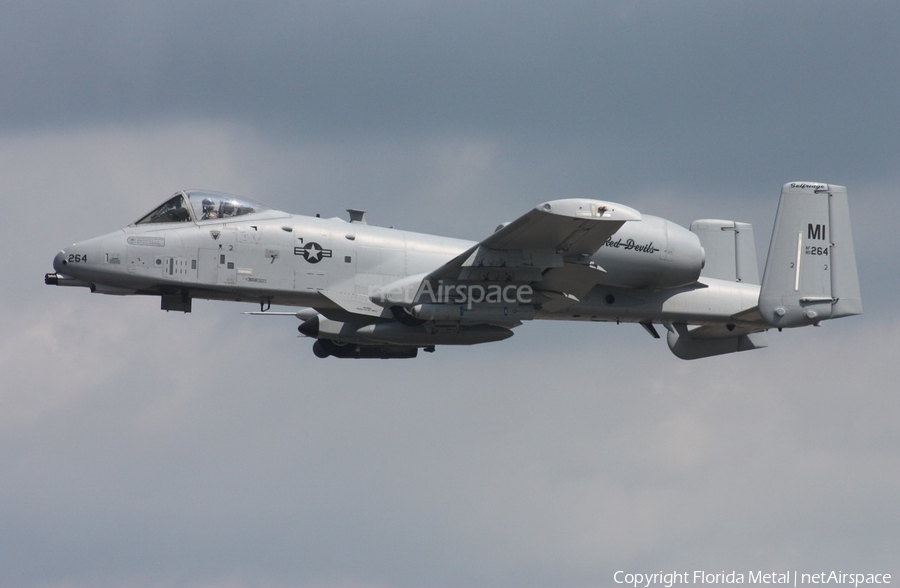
(209, 209)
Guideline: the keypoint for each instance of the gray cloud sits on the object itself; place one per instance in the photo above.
(657, 81)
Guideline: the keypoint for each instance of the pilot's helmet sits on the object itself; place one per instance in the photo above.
(208, 205)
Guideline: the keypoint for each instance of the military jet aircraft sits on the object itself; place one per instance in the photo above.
(373, 292)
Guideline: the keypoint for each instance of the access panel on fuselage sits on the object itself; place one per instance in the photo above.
(313, 256)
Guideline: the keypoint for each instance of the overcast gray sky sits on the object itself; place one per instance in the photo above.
(148, 449)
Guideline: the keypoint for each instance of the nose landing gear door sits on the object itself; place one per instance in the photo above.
(217, 258)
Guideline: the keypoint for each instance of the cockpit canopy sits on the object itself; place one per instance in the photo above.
(197, 206)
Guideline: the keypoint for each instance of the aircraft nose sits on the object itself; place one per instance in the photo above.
(59, 262)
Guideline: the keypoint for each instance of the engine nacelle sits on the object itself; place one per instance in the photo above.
(652, 253)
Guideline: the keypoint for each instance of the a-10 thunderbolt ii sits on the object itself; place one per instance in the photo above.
(375, 292)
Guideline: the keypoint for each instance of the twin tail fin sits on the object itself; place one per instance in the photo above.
(810, 272)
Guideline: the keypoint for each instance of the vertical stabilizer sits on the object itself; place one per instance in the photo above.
(730, 250)
(810, 272)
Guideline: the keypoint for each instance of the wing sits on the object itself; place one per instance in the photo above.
(549, 248)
